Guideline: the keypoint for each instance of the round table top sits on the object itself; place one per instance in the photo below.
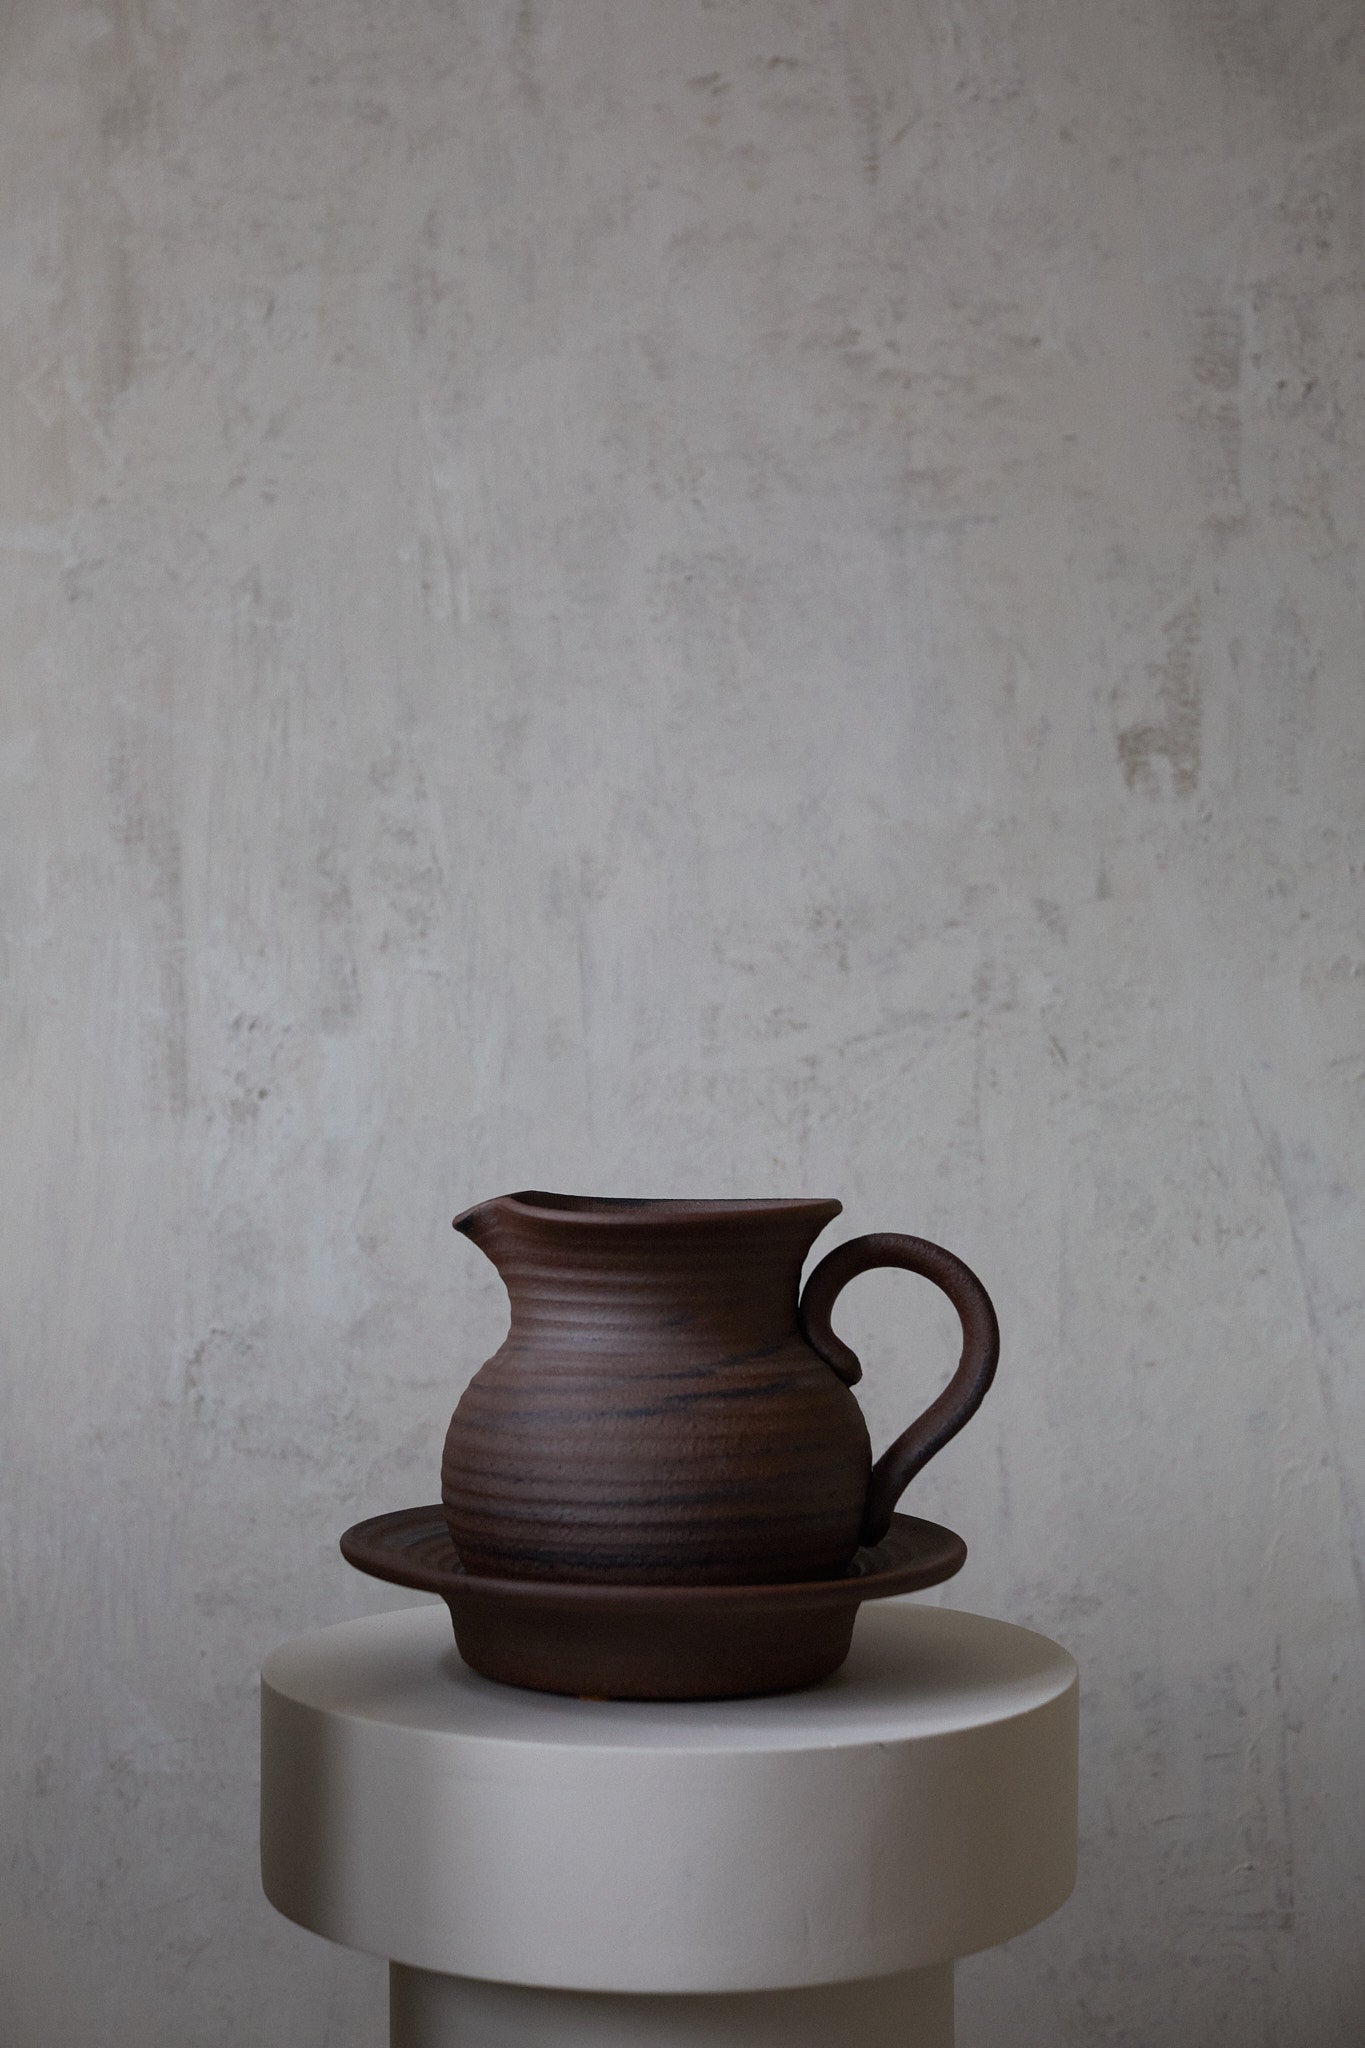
(919, 1804)
(913, 1671)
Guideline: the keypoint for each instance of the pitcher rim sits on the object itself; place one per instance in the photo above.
(623, 1210)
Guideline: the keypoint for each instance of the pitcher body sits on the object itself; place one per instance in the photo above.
(655, 1414)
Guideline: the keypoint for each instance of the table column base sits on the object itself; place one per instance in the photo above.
(912, 2009)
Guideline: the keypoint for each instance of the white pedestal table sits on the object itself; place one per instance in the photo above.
(793, 1872)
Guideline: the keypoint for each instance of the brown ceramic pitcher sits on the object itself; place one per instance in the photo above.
(665, 1411)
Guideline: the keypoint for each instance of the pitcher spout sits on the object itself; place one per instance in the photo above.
(479, 1224)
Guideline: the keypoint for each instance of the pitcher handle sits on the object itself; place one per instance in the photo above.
(965, 1391)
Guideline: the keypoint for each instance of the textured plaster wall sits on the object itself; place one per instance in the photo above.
(675, 597)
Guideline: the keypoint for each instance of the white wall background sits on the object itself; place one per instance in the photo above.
(675, 597)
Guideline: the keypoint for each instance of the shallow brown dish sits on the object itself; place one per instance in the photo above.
(649, 1642)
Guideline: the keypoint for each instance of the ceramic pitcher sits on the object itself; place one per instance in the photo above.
(666, 1411)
